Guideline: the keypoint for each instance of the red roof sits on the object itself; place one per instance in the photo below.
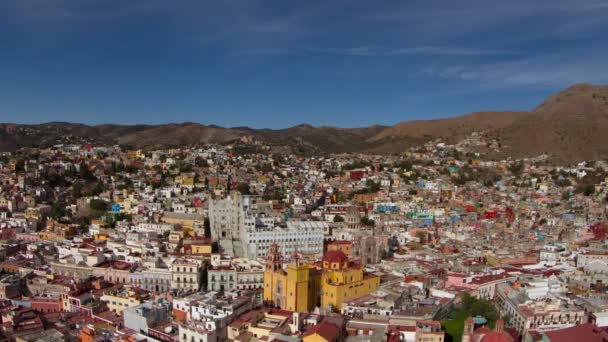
(335, 256)
(497, 336)
(328, 331)
(341, 242)
(585, 332)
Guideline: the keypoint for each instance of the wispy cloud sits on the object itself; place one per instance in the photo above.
(548, 71)
(398, 28)
(373, 51)
(415, 50)
(257, 22)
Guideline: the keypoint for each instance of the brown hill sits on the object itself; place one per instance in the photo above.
(569, 126)
(137, 136)
(169, 135)
(452, 129)
(322, 139)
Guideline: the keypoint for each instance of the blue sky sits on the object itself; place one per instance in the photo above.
(280, 63)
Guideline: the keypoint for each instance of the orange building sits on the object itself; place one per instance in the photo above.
(343, 246)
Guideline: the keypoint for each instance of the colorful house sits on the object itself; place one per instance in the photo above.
(303, 287)
(323, 332)
(294, 289)
(343, 280)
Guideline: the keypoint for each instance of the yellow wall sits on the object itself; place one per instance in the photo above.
(314, 338)
(184, 222)
(201, 249)
(175, 237)
(343, 285)
(296, 294)
(303, 288)
(103, 237)
(121, 302)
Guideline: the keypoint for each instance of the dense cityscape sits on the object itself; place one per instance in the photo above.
(232, 242)
(303, 171)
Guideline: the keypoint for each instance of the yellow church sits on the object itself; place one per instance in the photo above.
(342, 280)
(295, 289)
(303, 287)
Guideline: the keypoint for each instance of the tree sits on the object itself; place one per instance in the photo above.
(244, 189)
(85, 172)
(99, 205)
(185, 167)
(126, 183)
(207, 226)
(421, 236)
(366, 221)
(507, 319)
(470, 306)
(201, 162)
(517, 168)
(58, 210)
(277, 194)
(392, 246)
(76, 190)
(481, 307)
(96, 190)
(373, 186)
(338, 218)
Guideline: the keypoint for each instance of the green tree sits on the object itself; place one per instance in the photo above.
(76, 190)
(96, 190)
(366, 221)
(244, 188)
(85, 172)
(421, 236)
(207, 226)
(58, 210)
(201, 162)
(99, 205)
(517, 168)
(470, 306)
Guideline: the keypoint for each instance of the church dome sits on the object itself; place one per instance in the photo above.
(335, 260)
(497, 336)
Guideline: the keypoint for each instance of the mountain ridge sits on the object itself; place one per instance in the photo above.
(567, 125)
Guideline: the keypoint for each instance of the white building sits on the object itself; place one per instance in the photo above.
(196, 331)
(209, 315)
(304, 237)
(158, 228)
(225, 216)
(186, 274)
(588, 256)
(249, 274)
